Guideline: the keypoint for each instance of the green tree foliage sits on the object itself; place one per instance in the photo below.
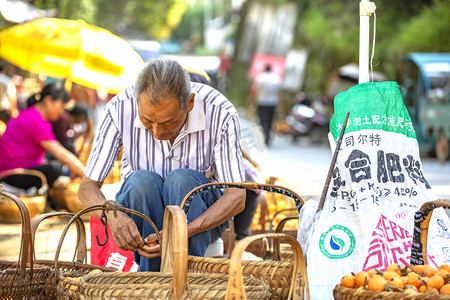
(332, 41)
(191, 24)
(152, 18)
(82, 9)
(330, 31)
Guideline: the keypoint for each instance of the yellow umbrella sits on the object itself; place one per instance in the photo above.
(61, 48)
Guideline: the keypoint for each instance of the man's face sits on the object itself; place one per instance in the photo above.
(165, 119)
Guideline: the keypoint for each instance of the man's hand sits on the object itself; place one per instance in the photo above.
(127, 236)
(124, 231)
(151, 249)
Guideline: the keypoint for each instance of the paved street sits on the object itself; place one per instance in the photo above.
(304, 167)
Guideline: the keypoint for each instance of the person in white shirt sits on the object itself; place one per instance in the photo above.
(265, 91)
(176, 135)
(8, 108)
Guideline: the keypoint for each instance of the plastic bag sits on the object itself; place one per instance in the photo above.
(377, 185)
(307, 219)
(438, 236)
(438, 251)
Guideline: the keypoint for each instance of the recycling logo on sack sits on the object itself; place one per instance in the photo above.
(338, 242)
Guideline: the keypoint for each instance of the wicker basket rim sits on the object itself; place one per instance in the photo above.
(225, 261)
(196, 281)
(364, 294)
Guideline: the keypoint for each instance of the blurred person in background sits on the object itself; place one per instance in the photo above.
(30, 135)
(198, 75)
(75, 122)
(8, 107)
(224, 69)
(243, 220)
(265, 91)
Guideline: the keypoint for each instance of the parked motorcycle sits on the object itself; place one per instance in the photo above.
(309, 120)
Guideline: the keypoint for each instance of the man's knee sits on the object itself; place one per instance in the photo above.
(180, 174)
(142, 181)
(138, 186)
(181, 177)
(143, 176)
(180, 182)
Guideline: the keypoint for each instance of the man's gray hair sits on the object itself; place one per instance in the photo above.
(164, 78)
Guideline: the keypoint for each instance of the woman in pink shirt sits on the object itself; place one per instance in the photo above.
(30, 135)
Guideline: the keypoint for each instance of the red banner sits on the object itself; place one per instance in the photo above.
(109, 255)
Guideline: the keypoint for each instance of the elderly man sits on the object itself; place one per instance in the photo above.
(176, 135)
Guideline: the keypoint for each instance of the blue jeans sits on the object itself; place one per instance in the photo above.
(147, 192)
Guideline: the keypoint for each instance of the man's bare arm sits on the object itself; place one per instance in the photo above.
(230, 204)
(123, 228)
(89, 193)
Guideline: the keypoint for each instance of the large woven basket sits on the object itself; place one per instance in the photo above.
(172, 282)
(77, 267)
(418, 256)
(66, 193)
(278, 275)
(22, 279)
(35, 204)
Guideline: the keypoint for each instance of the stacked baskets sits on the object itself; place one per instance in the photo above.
(22, 279)
(77, 267)
(173, 282)
(35, 203)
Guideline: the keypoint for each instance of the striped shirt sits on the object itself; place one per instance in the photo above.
(209, 141)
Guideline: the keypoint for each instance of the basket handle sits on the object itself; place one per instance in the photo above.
(21, 171)
(80, 255)
(108, 205)
(276, 242)
(26, 244)
(420, 237)
(285, 210)
(186, 203)
(174, 256)
(299, 280)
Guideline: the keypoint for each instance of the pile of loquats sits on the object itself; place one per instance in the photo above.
(413, 279)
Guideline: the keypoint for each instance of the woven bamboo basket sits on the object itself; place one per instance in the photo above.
(67, 193)
(75, 268)
(278, 275)
(418, 256)
(35, 204)
(173, 282)
(22, 279)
